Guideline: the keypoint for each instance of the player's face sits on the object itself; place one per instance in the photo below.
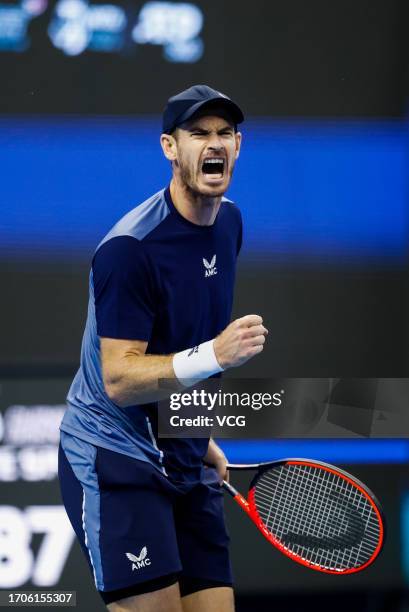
(206, 151)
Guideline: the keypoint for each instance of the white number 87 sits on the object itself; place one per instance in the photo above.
(17, 563)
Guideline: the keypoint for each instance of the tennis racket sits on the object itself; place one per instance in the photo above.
(315, 513)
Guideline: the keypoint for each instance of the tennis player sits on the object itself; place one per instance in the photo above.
(148, 515)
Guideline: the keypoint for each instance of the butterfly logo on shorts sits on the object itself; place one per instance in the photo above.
(139, 561)
(211, 269)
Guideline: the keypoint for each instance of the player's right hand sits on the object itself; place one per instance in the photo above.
(240, 341)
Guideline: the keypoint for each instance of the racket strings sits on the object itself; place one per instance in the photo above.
(305, 541)
(313, 511)
(317, 515)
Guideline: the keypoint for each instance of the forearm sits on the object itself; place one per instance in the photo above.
(216, 457)
(134, 379)
(213, 452)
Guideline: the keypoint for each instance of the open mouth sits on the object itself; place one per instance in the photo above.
(213, 167)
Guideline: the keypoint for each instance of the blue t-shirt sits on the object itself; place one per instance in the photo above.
(155, 277)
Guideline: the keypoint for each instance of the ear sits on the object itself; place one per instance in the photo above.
(237, 138)
(169, 146)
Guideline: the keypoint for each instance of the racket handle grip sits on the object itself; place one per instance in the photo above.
(238, 497)
(230, 489)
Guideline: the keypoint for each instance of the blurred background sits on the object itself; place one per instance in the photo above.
(322, 183)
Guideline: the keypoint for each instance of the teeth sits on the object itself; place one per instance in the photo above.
(213, 161)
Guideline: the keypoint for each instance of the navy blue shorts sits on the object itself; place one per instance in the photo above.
(138, 530)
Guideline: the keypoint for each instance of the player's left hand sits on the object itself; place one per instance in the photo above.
(216, 458)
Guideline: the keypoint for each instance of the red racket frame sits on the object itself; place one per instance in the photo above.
(249, 506)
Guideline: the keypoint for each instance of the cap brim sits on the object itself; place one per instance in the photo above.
(232, 108)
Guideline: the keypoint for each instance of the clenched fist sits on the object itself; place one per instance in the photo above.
(240, 341)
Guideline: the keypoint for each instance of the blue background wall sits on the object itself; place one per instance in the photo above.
(309, 191)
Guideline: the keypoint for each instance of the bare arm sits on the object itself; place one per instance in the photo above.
(131, 376)
(216, 457)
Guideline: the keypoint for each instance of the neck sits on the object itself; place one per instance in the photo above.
(195, 207)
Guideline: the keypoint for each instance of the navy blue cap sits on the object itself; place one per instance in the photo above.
(185, 104)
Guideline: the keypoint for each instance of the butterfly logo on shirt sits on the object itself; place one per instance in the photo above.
(210, 268)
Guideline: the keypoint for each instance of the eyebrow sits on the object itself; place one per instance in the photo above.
(195, 128)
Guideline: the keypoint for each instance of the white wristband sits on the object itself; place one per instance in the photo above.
(196, 363)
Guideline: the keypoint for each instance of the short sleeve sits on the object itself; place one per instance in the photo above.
(124, 289)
